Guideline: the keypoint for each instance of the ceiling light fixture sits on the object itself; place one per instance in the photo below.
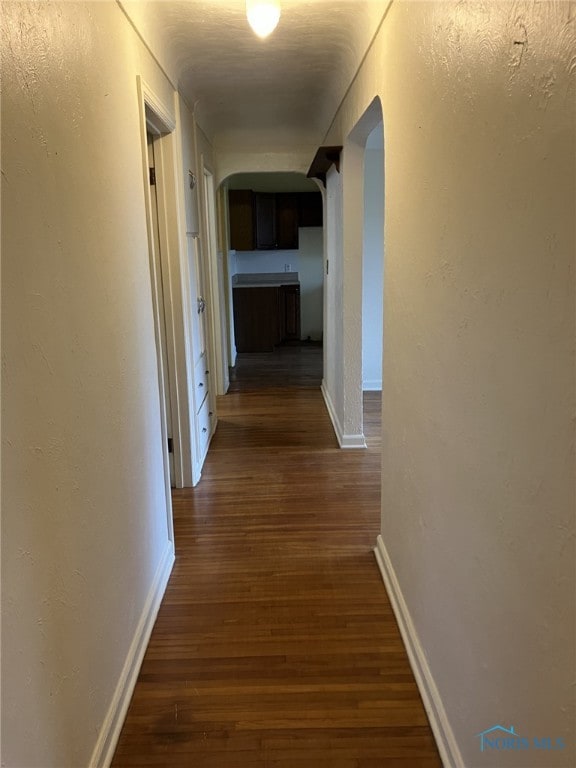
(263, 15)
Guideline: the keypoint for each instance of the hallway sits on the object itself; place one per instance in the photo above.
(442, 138)
(275, 644)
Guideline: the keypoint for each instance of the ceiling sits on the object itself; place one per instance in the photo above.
(281, 92)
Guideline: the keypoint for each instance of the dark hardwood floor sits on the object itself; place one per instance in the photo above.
(288, 367)
(275, 645)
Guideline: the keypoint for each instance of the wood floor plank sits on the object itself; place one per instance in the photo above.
(276, 645)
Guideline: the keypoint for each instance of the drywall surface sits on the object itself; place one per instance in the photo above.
(273, 159)
(373, 268)
(352, 168)
(333, 309)
(311, 271)
(478, 448)
(84, 518)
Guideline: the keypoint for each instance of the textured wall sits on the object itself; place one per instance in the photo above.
(232, 160)
(312, 282)
(84, 520)
(478, 462)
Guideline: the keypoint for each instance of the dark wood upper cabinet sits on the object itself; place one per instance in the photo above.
(241, 214)
(268, 220)
(310, 212)
(256, 326)
(287, 220)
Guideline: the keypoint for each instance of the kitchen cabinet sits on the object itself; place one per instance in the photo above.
(256, 318)
(266, 221)
(289, 312)
(241, 214)
(287, 220)
(276, 221)
(265, 316)
(270, 220)
(310, 209)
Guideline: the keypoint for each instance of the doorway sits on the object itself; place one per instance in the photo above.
(275, 265)
(361, 272)
(373, 282)
(215, 281)
(152, 135)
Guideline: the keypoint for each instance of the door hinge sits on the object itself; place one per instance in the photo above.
(170, 445)
(152, 176)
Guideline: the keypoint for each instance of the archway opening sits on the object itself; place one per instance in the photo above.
(373, 283)
(274, 244)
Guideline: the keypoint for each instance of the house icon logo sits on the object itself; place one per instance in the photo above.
(503, 739)
(488, 736)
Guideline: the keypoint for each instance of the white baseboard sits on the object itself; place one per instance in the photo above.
(353, 441)
(445, 739)
(344, 441)
(114, 720)
(372, 385)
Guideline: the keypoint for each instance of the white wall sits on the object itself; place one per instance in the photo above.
(249, 262)
(373, 268)
(332, 383)
(84, 514)
(311, 271)
(478, 465)
(232, 160)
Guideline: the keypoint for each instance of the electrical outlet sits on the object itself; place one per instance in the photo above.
(287, 268)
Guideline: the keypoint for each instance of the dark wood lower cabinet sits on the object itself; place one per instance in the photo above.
(266, 316)
(290, 312)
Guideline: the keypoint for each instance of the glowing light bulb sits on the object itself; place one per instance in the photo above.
(263, 15)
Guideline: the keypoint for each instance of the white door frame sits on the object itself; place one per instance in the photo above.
(353, 156)
(159, 118)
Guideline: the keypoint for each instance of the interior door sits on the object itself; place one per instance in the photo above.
(163, 351)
